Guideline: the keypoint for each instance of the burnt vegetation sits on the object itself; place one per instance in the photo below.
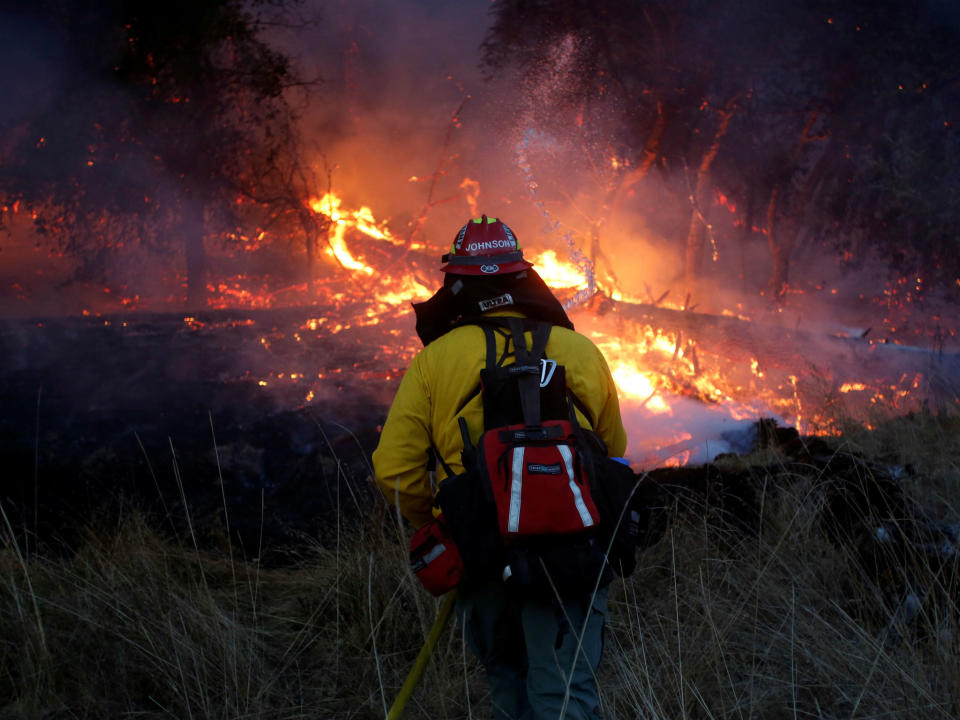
(828, 128)
(159, 125)
(829, 124)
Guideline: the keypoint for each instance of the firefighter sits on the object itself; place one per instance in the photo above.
(526, 645)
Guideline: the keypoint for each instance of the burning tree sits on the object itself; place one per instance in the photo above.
(171, 125)
(829, 124)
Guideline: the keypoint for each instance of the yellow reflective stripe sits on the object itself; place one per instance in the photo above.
(480, 220)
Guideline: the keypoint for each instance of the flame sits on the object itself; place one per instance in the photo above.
(341, 220)
(658, 370)
(852, 386)
(724, 201)
(558, 274)
(407, 289)
(634, 383)
(471, 193)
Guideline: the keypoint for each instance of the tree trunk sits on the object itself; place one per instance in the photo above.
(780, 280)
(649, 155)
(693, 258)
(696, 235)
(310, 231)
(311, 247)
(782, 240)
(191, 228)
(745, 236)
(604, 275)
(780, 244)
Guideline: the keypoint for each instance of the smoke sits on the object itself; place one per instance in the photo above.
(380, 129)
(59, 106)
(383, 129)
(392, 78)
(691, 433)
(31, 68)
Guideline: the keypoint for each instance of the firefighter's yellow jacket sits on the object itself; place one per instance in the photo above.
(439, 387)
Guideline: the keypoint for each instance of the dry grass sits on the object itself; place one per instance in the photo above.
(714, 624)
(782, 625)
(135, 624)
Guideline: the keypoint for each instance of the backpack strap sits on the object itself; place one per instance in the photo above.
(527, 361)
(469, 452)
(527, 367)
(489, 333)
(581, 406)
(437, 457)
(540, 332)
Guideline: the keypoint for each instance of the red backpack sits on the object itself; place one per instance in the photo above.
(525, 508)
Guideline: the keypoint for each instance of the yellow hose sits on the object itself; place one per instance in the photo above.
(416, 672)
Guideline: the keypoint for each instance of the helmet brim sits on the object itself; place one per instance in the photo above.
(501, 268)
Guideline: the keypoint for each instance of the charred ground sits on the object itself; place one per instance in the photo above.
(104, 415)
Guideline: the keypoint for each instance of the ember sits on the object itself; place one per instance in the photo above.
(347, 245)
(675, 368)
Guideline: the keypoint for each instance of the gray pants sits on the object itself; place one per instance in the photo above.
(528, 649)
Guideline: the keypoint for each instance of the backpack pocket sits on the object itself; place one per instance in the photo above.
(538, 480)
(614, 489)
(471, 519)
(435, 558)
(564, 568)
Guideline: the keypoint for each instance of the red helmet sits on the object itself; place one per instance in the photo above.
(484, 246)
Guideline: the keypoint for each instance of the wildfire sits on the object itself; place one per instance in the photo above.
(471, 191)
(192, 323)
(636, 384)
(407, 289)
(398, 290)
(341, 221)
(853, 387)
(662, 369)
(557, 273)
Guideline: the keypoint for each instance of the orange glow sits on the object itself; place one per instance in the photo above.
(634, 383)
(557, 273)
(471, 193)
(665, 364)
(407, 289)
(852, 386)
(678, 460)
(341, 221)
